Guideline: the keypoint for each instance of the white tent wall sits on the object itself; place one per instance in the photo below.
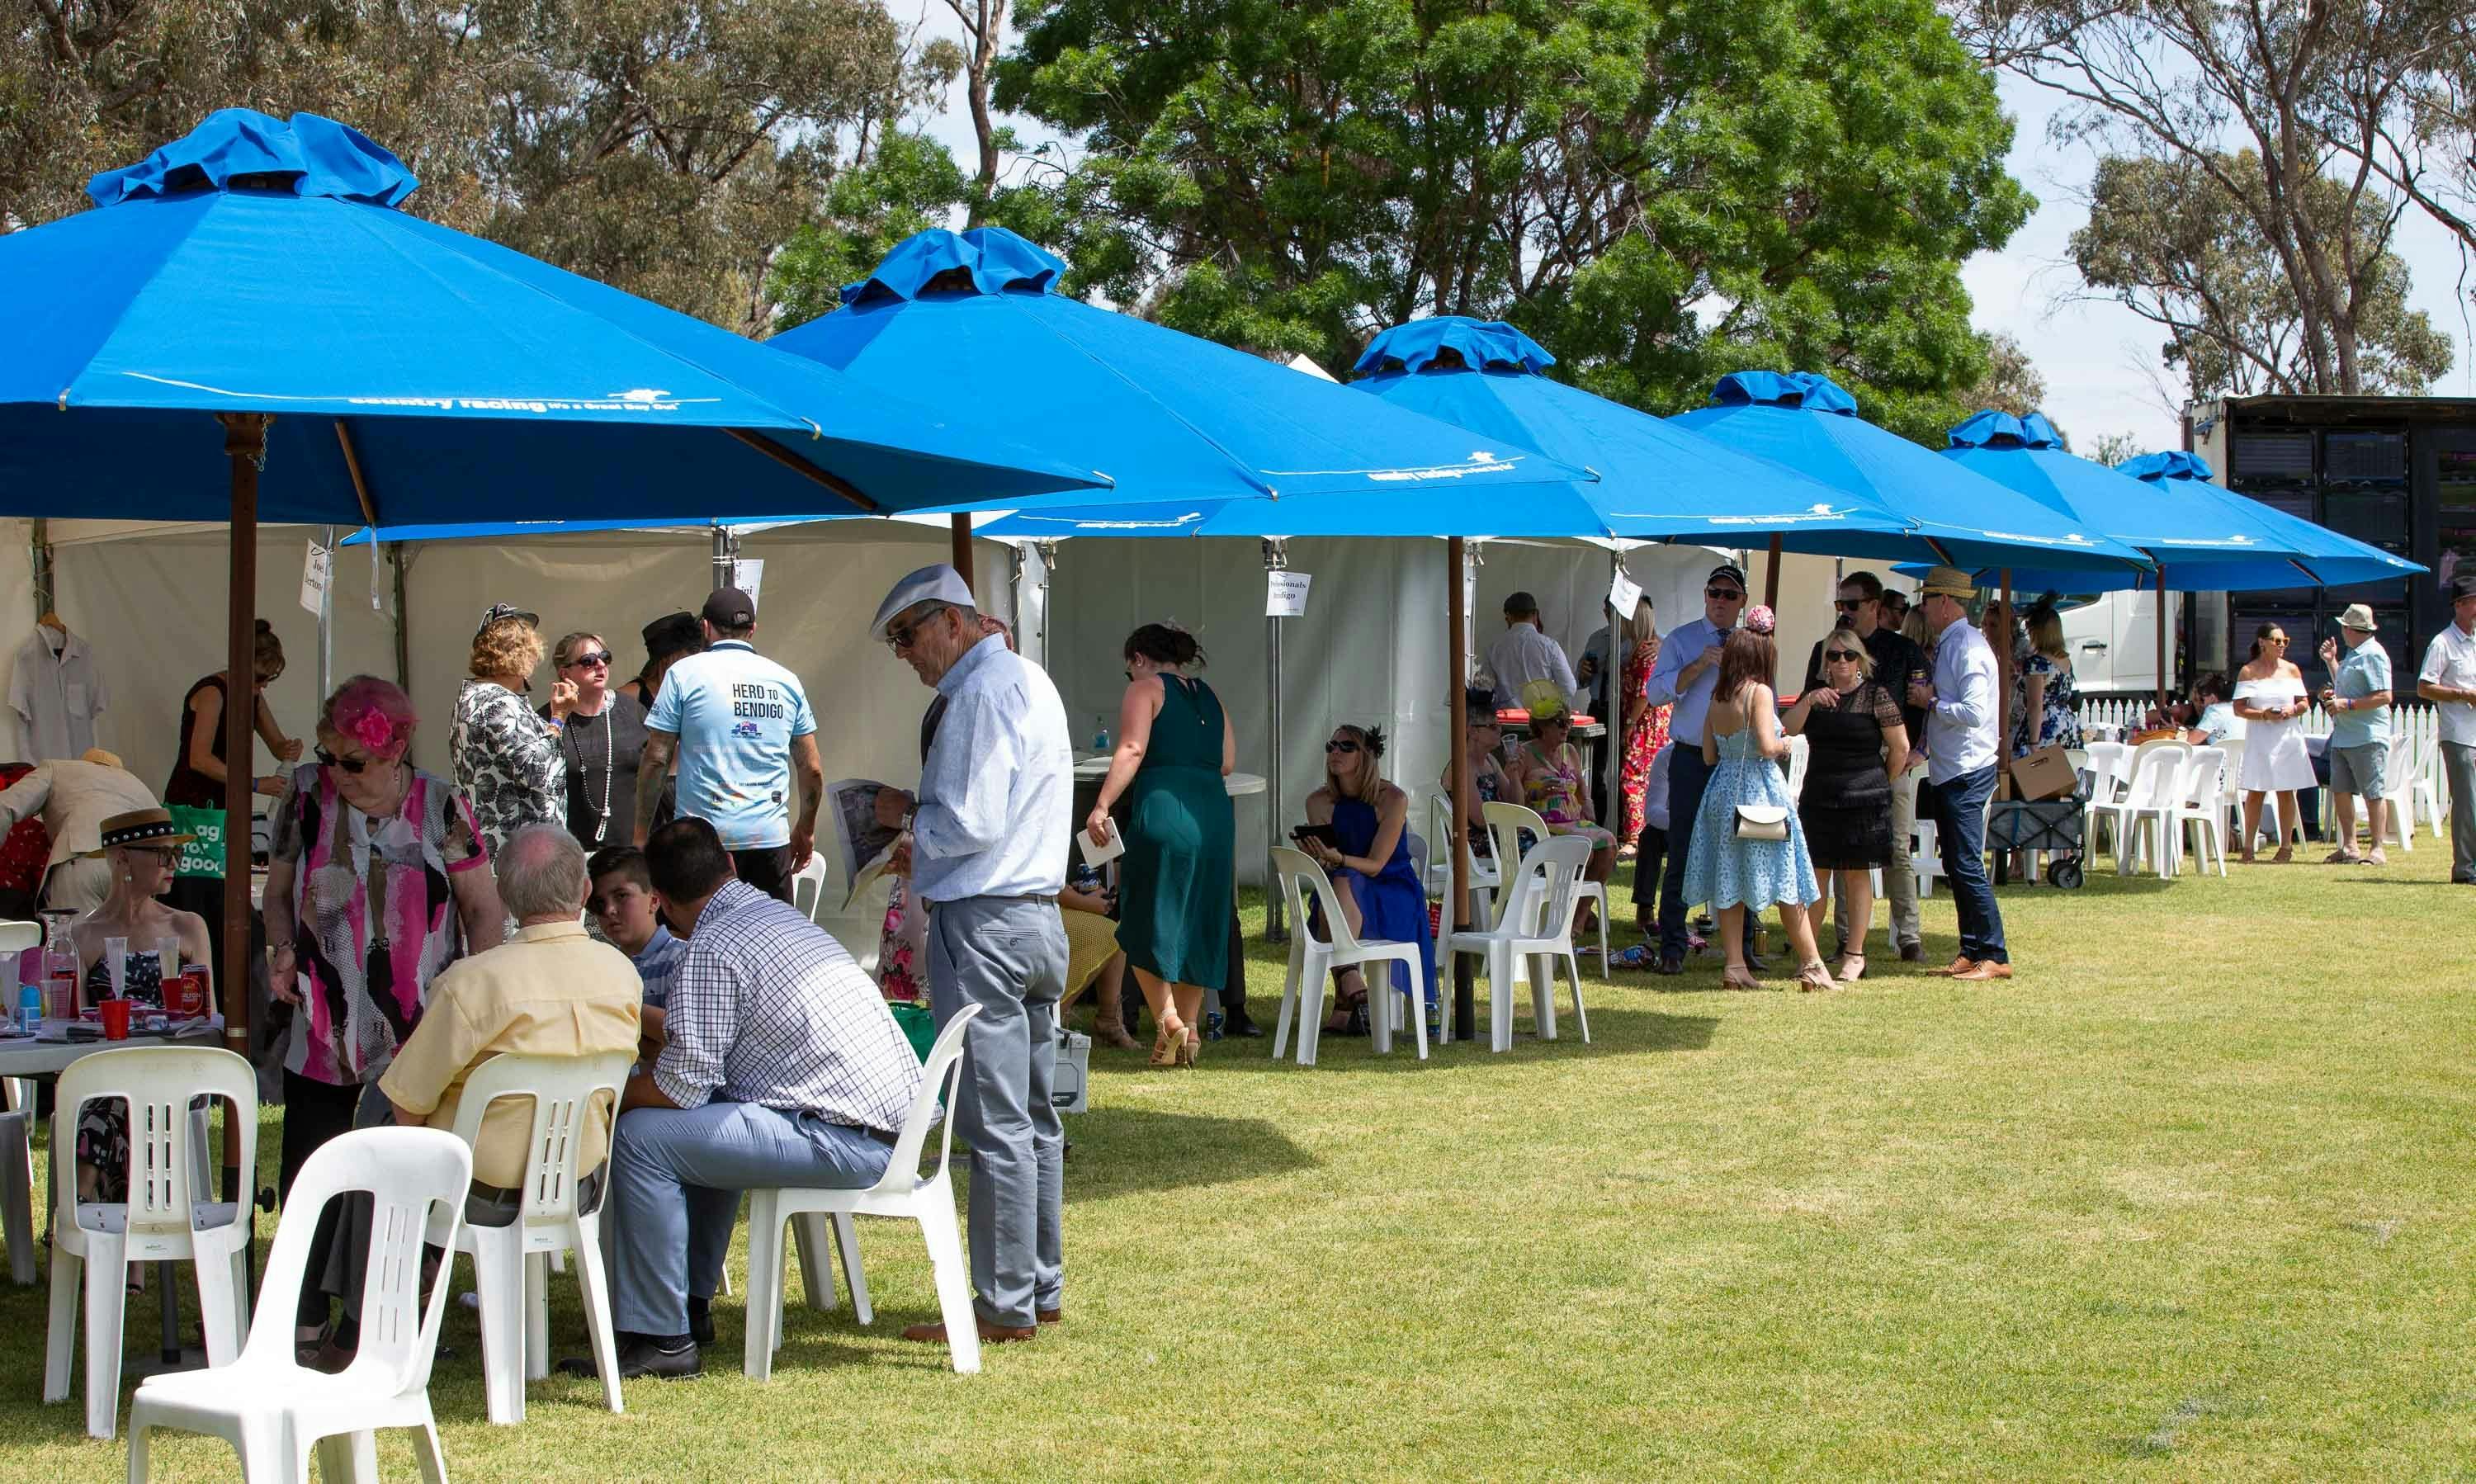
(16, 619)
(1372, 648)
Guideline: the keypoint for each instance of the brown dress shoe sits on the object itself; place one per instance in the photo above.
(990, 1334)
(1956, 968)
(1050, 1315)
(1984, 970)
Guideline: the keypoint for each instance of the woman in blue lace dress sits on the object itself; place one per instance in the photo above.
(1743, 744)
(1372, 872)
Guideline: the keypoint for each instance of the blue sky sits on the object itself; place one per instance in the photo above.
(2097, 358)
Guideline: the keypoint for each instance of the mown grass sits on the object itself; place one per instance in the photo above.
(2187, 1200)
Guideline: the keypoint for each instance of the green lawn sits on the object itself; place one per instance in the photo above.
(2188, 1199)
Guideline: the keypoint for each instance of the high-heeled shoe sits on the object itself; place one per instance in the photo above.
(1170, 1041)
(1191, 1049)
(1815, 976)
(1735, 977)
(1852, 968)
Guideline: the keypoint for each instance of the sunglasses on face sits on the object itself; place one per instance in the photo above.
(589, 660)
(1344, 745)
(1725, 594)
(1848, 604)
(351, 765)
(163, 854)
(1838, 655)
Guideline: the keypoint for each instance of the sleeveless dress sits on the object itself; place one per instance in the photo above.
(1846, 806)
(2274, 759)
(1724, 871)
(1179, 869)
(1553, 787)
(1393, 902)
(188, 786)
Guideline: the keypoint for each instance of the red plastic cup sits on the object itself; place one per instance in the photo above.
(115, 1020)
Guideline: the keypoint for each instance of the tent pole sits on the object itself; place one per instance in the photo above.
(2003, 685)
(245, 446)
(1771, 577)
(1276, 558)
(327, 620)
(723, 567)
(1458, 607)
(2163, 678)
(962, 529)
(403, 645)
(1613, 799)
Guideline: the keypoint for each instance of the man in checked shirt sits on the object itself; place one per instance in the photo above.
(781, 1067)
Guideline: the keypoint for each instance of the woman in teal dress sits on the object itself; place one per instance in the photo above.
(1175, 750)
(1742, 745)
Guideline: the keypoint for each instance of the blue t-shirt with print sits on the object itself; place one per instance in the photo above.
(734, 712)
(2364, 671)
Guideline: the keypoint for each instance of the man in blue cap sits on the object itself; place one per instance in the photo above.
(989, 837)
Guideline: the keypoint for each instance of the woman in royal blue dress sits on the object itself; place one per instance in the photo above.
(1372, 870)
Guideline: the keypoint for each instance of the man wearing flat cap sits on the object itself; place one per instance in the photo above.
(740, 725)
(989, 837)
(2447, 679)
(1961, 764)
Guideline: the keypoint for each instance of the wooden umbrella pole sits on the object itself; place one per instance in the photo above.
(1771, 578)
(962, 528)
(2003, 685)
(245, 446)
(2164, 679)
(1457, 728)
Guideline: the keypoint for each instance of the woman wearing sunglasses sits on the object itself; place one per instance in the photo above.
(1175, 750)
(603, 739)
(376, 880)
(141, 848)
(1858, 742)
(1369, 864)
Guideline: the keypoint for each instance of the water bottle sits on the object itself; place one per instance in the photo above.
(1101, 738)
(29, 1008)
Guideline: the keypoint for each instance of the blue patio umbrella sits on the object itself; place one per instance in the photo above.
(1955, 516)
(974, 318)
(251, 290)
(2202, 537)
(1655, 482)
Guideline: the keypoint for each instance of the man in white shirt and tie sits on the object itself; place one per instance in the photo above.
(2447, 679)
(1961, 762)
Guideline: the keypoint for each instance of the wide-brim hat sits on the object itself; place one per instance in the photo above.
(2359, 617)
(139, 827)
(1544, 702)
(1948, 582)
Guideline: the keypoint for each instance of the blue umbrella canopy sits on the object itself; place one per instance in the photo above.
(974, 318)
(2202, 537)
(1808, 423)
(259, 266)
(1484, 377)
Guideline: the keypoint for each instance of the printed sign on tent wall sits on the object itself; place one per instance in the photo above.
(748, 575)
(1624, 593)
(317, 570)
(1285, 594)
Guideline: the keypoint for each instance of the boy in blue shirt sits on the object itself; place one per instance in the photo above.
(739, 725)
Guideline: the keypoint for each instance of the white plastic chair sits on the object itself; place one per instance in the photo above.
(2196, 814)
(1483, 875)
(272, 1410)
(1800, 756)
(1536, 924)
(808, 888)
(1505, 824)
(162, 1220)
(509, 1262)
(2149, 801)
(2403, 783)
(1310, 962)
(903, 1193)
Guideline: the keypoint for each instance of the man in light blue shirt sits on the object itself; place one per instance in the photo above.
(989, 839)
(740, 725)
(1682, 680)
(1961, 765)
(2358, 702)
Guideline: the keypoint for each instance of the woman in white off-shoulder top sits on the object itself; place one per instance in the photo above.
(2269, 696)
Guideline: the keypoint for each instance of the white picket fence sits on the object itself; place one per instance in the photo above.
(2415, 749)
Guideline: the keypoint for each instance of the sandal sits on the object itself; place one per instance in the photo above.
(1852, 968)
(2343, 856)
(2285, 856)
(1815, 974)
(1735, 977)
(1170, 1041)
(1194, 1048)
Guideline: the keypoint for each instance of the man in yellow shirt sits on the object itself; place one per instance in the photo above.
(549, 991)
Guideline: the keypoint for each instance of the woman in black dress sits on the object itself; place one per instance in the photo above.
(1857, 745)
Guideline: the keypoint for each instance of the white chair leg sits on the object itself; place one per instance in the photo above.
(847, 1247)
(138, 1436)
(499, 1282)
(1313, 973)
(432, 1458)
(1581, 1021)
(945, 1241)
(218, 1307)
(17, 1197)
(594, 1281)
(764, 1284)
(60, 1340)
(536, 1316)
(1417, 997)
(1543, 994)
(816, 1279)
(106, 1276)
(1500, 996)
(1289, 1004)
(1379, 1002)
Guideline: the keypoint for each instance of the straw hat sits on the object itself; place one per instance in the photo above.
(139, 827)
(1948, 582)
(1544, 702)
(2360, 618)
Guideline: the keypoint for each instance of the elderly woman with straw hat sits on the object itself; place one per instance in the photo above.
(1548, 769)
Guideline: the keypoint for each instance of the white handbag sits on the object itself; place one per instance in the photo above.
(1762, 821)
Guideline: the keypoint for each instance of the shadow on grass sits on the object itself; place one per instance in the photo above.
(1614, 1031)
(1150, 1149)
(2393, 880)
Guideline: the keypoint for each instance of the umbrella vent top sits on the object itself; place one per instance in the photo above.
(1453, 342)
(2173, 464)
(983, 261)
(242, 149)
(1991, 429)
(1810, 390)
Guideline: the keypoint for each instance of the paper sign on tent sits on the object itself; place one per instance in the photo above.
(1285, 594)
(748, 575)
(1624, 593)
(316, 571)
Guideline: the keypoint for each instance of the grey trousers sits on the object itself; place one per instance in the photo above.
(2458, 766)
(1007, 955)
(1899, 878)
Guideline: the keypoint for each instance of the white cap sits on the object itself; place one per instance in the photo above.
(940, 583)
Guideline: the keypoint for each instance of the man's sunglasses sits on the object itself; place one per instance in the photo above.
(1341, 746)
(590, 659)
(1850, 655)
(1848, 604)
(1729, 594)
(353, 765)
